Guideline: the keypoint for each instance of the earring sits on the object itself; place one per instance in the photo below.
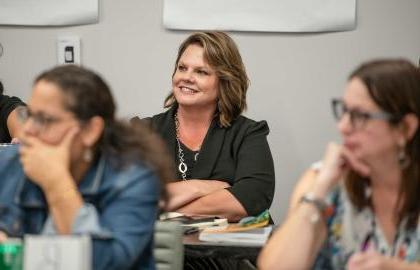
(368, 191)
(87, 155)
(403, 158)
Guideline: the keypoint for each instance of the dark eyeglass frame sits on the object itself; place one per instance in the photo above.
(358, 119)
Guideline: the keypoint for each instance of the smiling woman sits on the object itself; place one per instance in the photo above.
(224, 156)
(224, 161)
(78, 170)
(195, 82)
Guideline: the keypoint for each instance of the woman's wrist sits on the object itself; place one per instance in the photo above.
(55, 178)
(63, 195)
(322, 186)
(205, 187)
(319, 191)
(61, 188)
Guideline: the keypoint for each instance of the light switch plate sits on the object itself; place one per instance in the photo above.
(68, 50)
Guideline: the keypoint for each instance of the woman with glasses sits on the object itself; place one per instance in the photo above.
(359, 208)
(223, 159)
(78, 170)
(9, 124)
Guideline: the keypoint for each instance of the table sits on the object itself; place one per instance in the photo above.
(198, 249)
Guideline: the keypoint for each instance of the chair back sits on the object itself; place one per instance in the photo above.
(169, 249)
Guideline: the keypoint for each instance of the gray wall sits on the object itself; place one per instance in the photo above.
(293, 76)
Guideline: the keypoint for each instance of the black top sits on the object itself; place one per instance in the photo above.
(190, 158)
(7, 105)
(238, 154)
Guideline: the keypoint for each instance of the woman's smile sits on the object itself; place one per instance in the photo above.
(188, 90)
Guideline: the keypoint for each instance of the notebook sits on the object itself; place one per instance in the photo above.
(251, 237)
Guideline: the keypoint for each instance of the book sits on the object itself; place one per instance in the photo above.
(237, 235)
(248, 231)
(194, 221)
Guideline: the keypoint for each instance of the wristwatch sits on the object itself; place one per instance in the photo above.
(319, 204)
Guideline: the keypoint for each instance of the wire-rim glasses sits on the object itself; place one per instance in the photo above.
(40, 121)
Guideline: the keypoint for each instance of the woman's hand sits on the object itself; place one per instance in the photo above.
(181, 193)
(3, 237)
(371, 260)
(335, 165)
(44, 164)
(332, 170)
(210, 186)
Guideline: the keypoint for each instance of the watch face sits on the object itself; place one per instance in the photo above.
(310, 196)
(320, 204)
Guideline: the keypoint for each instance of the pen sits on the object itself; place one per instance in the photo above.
(191, 230)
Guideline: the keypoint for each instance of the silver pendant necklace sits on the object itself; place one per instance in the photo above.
(182, 167)
(196, 156)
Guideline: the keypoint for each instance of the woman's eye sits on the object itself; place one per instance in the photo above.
(202, 72)
(365, 116)
(361, 115)
(182, 68)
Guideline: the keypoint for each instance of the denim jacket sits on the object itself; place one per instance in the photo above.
(120, 207)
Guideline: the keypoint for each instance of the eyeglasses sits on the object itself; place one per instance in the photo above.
(40, 120)
(358, 118)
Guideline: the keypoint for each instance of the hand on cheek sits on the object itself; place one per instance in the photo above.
(356, 163)
(44, 163)
(333, 167)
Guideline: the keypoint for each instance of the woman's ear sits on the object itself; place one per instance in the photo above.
(410, 125)
(92, 131)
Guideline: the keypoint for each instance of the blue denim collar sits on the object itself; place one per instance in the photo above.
(93, 179)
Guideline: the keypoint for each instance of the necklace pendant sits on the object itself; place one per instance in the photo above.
(182, 167)
(196, 156)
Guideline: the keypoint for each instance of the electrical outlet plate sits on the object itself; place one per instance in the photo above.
(68, 50)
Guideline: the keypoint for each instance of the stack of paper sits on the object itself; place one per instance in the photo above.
(201, 224)
(254, 237)
(194, 221)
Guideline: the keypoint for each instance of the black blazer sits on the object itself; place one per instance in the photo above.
(239, 155)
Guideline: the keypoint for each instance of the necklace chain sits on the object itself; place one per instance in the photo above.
(182, 167)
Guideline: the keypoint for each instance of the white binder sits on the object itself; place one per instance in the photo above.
(52, 252)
